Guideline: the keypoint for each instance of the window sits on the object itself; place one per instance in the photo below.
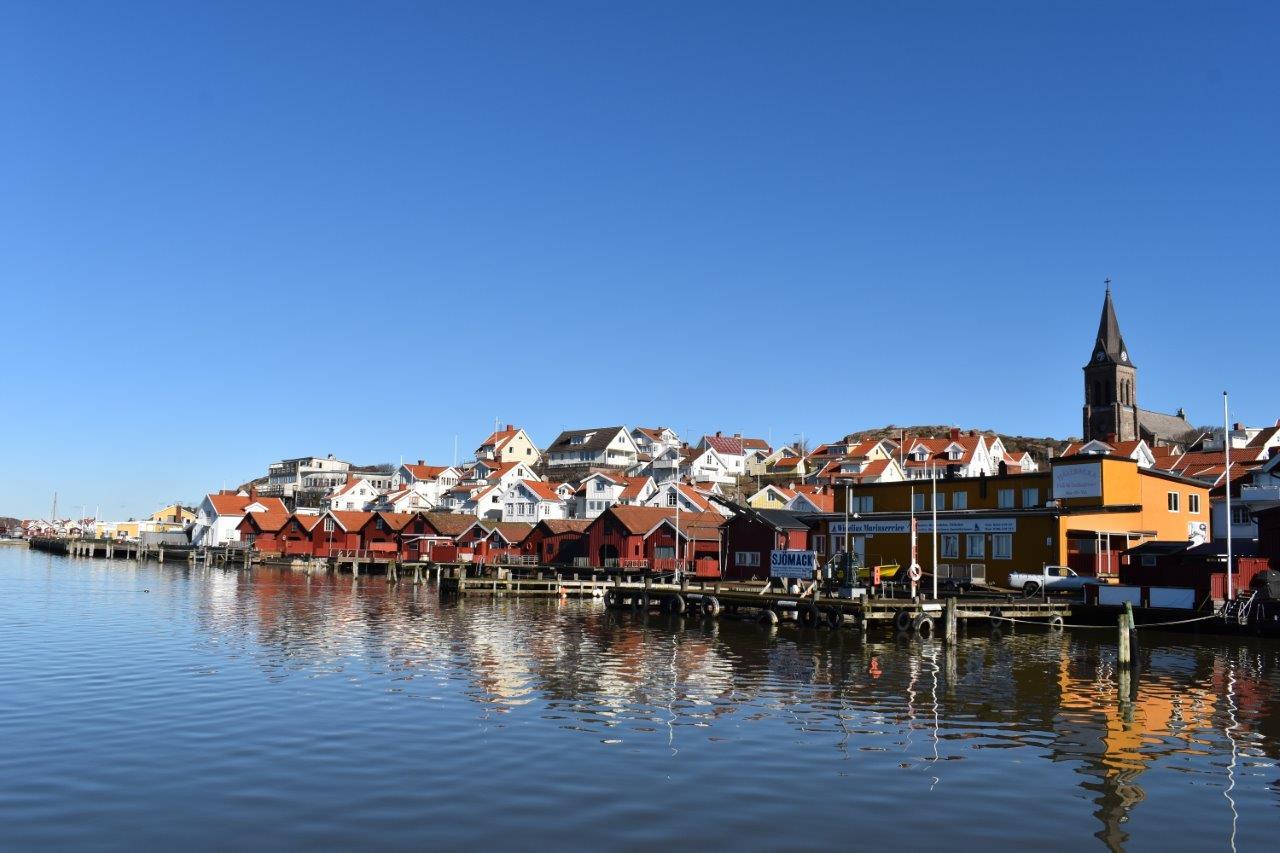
(1240, 515)
(975, 545)
(328, 525)
(671, 498)
(1030, 497)
(919, 502)
(1173, 501)
(746, 558)
(1149, 560)
(960, 500)
(1193, 504)
(864, 504)
(1002, 546)
(950, 545)
(1004, 498)
(939, 501)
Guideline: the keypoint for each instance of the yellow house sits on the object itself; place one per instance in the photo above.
(771, 497)
(174, 514)
(509, 445)
(1082, 513)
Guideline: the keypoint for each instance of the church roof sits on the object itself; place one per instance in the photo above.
(1162, 427)
(1110, 344)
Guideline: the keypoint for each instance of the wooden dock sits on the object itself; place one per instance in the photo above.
(711, 599)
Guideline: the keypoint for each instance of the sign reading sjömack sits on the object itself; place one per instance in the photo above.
(924, 525)
(792, 564)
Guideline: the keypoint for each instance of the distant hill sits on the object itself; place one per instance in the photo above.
(1038, 447)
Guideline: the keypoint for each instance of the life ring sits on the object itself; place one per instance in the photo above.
(611, 598)
(809, 616)
(1055, 622)
(902, 620)
(674, 604)
(767, 617)
(922, 626)
(710, 606)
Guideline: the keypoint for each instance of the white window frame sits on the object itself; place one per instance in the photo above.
(1173, 501)
(1006, 498)
(1033, 494)
(949, 546)
(1002, 546)
(975, 539)
(959, 500)
(1193, 504)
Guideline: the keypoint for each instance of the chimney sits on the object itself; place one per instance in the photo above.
(973, 433)
(718, 434)
(421, 462)
(510, 428)
(955, 433)
(737, 435)
(1237, 427)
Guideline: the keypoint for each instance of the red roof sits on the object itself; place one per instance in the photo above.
(544, 491)
(230, 503)
(426, 472)
(824, 503)
(499, 439)
(633, 489)
(350, 519)
(642, 519)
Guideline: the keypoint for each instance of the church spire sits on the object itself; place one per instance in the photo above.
(1110, 344)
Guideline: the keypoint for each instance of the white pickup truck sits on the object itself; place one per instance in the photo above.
(1051, 579)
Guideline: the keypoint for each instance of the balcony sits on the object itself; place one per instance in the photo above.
(1260, 494)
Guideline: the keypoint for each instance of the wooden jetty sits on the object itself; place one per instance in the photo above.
(770, 606)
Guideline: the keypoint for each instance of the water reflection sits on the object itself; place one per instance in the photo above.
(597, 672)
(1034, 721)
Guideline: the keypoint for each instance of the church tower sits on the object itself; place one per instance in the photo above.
(1110, 383)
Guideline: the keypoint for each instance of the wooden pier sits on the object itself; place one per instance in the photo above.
(770, 606)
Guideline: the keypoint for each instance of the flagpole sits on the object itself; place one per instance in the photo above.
(1226, 449)
(933, 533)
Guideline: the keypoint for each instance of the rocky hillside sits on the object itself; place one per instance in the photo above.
(1038, 447)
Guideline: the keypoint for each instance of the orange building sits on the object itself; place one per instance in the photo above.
(1082, 513)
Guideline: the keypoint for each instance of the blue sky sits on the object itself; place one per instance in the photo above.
(233, 232)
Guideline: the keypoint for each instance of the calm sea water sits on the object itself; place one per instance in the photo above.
(145, 706)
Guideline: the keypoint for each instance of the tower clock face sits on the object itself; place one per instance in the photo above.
(1100, 356)
(1124, 355)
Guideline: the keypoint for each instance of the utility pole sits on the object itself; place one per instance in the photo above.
(1226, 449)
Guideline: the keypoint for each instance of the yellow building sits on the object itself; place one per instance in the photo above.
(1082, 513)
(174, 514)
(771, 497)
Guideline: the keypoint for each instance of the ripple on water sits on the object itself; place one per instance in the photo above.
(269, 708)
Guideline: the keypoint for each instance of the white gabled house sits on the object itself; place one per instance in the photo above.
(356, 495)
(600, 447)
(219, 515)
(1136, 450)
(532, 501)
(597, 492)
(509, 445)
(652, 440)
(689, 499)
(706, 465)
(403, 499)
